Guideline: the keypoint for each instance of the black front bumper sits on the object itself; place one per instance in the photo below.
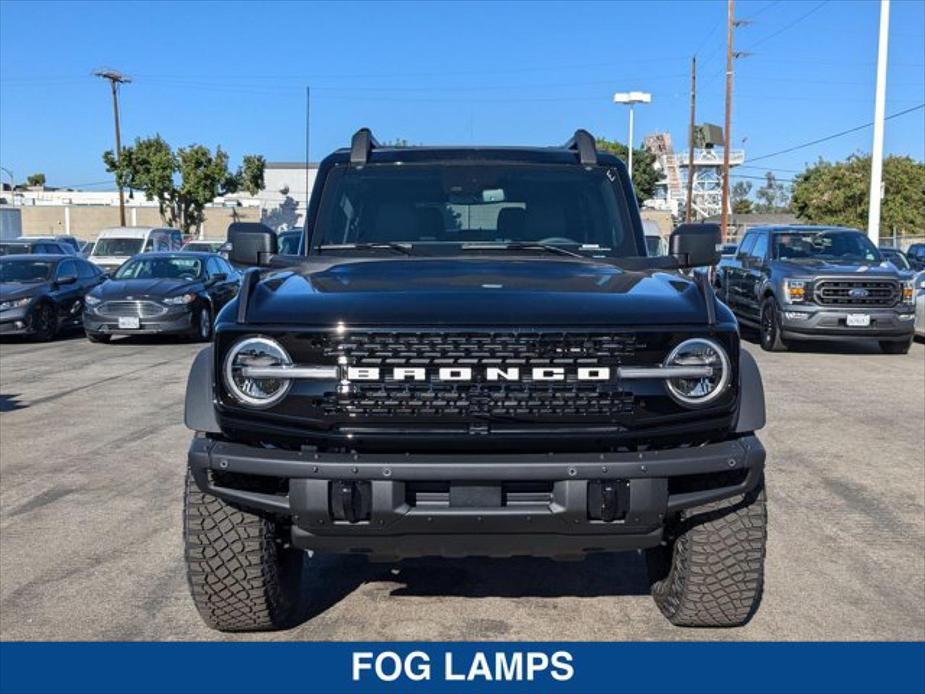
(457, 505)
(174, 322)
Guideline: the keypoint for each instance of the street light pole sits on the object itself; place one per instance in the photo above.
(631, 99)
(876, 158)
(115, 79)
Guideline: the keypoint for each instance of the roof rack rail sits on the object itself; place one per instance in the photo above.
(361, 145)
(583, 143)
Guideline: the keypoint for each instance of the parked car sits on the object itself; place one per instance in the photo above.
(87, 248)
(916, 255)
(70, 243)
(817, 283)
(161, 293)
(30, 246)
(288, 241)
(41, 295)
(114, 246)
(474, 356)
(920, 305)
(202, 246)
(899, 259)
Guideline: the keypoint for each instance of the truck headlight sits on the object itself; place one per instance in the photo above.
(699, 390)
(908, 292)
(256, 352)
(795, 291)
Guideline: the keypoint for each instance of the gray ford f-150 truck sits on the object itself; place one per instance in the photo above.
(472, 355)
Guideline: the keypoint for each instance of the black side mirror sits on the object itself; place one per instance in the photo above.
(218, 277)
(252, 243)
(696, 245)
(66, 279)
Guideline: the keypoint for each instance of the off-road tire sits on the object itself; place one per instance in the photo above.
(99, 337)
(240, 575)
(711, 573)
(769, 327)
(893, 347)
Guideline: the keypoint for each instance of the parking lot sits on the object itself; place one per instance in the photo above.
(92, 457)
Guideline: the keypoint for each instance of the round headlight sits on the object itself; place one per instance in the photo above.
(699, 389)
(256, 352)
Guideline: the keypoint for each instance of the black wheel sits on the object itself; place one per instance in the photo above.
(711, 573)
(43, 322)
(240, 573)
(891, 347)
(99, 337)
(769, 329)
(203, 323)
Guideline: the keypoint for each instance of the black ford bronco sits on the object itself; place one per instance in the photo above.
(471, 355)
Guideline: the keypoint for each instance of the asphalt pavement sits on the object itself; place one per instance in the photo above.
(92, 459)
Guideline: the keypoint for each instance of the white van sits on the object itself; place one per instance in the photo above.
(116, 245)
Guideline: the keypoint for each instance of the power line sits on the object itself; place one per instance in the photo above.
(834, 135)
(789, 26)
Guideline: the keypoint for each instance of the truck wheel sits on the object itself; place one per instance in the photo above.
(771, 340)
(712, 573)
(891, 347)
(240, 575)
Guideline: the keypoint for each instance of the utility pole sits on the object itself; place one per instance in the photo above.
(876, 159)
(115, 79)
(730, 25)
(308, 106)
(688, 214)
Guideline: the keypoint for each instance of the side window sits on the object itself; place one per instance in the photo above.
(760, 250)
(176, 240)
(85, 271)
(67, 268)
(745, 247)
(228, 269)
(162, 242)
(149, 245)
(212, 267)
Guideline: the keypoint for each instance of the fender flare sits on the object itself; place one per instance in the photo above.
(199, 410)
(752, 414)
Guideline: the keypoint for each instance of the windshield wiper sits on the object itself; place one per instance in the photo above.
(522, 246)
(404, 248)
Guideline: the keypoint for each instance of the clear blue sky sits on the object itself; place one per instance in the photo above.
(234, 74)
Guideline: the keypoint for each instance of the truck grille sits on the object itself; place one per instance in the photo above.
(882, 293)
(569, 398)
(139, 309)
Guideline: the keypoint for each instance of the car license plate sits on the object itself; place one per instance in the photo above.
(858, 320)
(129, 323)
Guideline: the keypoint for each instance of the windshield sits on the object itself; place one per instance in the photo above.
(845, 246)
(15, 248)
(120, 248)
(160, 268)
(25, 270)
(446, 207)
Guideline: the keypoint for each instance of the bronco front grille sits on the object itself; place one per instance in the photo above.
(856, 292)
(139, 309)
(568, 398)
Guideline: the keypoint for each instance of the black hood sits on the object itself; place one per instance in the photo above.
(474, 291)
(10, 291)
(139, 289)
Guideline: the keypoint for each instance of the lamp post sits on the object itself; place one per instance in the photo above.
(631, 99)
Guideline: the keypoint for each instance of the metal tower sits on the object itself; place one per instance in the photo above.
(708, 170)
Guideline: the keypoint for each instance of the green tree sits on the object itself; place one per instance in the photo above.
(773, 196)
(151, 166)
(839, 193)
(645, 175)
(36, 180)
(741, 203)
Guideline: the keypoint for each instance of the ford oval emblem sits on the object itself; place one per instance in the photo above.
(858, 293)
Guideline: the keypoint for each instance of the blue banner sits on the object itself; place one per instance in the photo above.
(230, 668)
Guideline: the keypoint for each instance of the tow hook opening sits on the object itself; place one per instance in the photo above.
(608, 500)
(350, 500)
